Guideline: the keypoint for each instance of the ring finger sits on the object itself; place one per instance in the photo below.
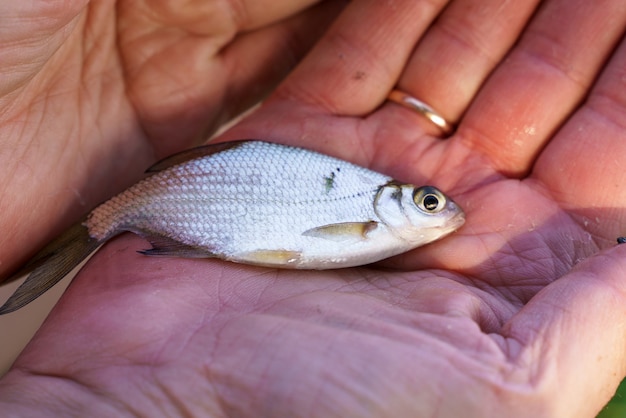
(459, 51)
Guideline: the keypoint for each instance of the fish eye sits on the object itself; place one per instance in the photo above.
(430, 202)
(429, 199)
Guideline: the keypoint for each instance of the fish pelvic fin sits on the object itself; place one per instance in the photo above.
(271, 258)
(50, 265)
(163, 246)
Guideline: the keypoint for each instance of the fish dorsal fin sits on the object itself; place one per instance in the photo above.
(344, 231)
(167, 247)
(192, 154)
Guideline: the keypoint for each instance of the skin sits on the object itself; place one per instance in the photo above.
(520, 313)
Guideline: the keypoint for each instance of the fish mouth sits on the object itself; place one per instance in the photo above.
(458, 215)
(457, 220)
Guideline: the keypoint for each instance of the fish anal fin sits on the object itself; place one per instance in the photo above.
(192, 154)
(167, 247)
(343, 231)
(271, 258)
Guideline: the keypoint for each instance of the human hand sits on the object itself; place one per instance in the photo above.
(474, 325)
(93, 92)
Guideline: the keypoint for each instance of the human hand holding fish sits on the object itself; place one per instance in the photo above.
(501, 318)
(257, 203)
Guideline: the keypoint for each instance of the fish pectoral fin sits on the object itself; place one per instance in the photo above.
(344, 231)
(271, 258)
(167, 247)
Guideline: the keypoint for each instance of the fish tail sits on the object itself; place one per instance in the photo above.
(50, 265)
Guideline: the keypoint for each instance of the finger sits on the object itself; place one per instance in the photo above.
(258, 60)
(206, 18)
(574, 328)
(460, 50)
(583, 167)
(542, 81)
(348, 73)
(355, 65)
(180, 80)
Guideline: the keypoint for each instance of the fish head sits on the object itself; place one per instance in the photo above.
(417, 215)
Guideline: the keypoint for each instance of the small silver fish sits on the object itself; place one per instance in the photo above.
(257, 203)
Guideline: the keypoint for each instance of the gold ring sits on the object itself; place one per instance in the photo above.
(422, 108)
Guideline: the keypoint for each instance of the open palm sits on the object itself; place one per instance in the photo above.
(93, 93)
(520, 313)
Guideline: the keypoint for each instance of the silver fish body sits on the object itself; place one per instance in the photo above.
(262, 203)
(257, 203)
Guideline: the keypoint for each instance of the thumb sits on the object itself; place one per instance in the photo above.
(570, 341)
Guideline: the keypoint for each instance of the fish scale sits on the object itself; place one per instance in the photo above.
(258, 203)
(247, 182)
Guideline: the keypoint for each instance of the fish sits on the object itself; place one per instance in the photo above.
(258, 203)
